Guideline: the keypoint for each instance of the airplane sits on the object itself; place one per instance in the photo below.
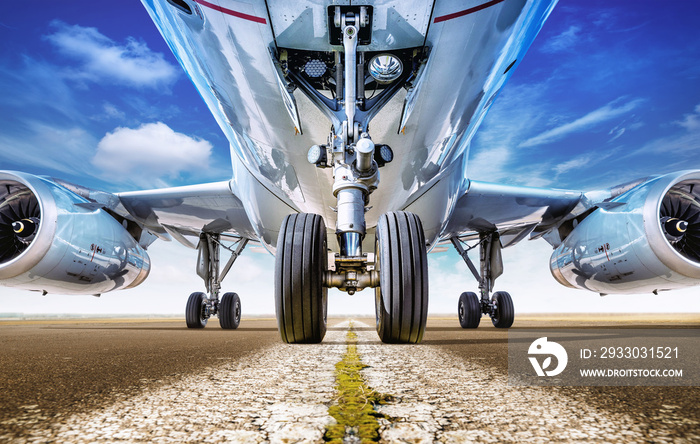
(349, 126)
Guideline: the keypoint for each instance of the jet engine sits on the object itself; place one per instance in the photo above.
(645, 240)
(53, 240)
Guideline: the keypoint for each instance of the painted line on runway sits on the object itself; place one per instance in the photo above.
(283, 392)
(441, 397)
(355, 406)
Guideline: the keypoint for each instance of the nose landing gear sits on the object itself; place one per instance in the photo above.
(402, 294)
(301, 299)
(397, 270)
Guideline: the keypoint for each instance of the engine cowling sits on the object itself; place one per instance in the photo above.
(55, 241)
(647, 239)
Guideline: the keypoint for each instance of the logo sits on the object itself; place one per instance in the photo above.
(543, 347)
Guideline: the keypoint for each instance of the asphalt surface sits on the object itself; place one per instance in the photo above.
(110, 381)
(73, 366)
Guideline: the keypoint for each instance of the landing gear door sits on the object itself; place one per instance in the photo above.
(496, 259)
(289, 103)
(203, 259)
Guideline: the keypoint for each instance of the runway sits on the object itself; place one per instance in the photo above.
(156, 381)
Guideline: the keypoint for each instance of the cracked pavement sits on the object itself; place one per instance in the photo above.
(248, 387)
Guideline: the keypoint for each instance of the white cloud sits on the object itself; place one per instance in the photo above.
(586, 160)
(684, 145)
(489, 163)
(132, 63)
(616, 133)
(563, 41)
(574, 164)
(41, 145)
(605, 113)
(113, 112)
(494, 157)
(147, 154)
(691, 122)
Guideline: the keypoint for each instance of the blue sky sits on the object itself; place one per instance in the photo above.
(77, 81)
(610, 91)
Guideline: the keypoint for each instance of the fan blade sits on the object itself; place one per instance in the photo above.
(6, 219)
(665, 210)
(6, 255)
(35, 209)
(23, 211)
(691, 208)
(694, 236)
(692, 252)
(671, 210)
(11, 212)
(683, 209)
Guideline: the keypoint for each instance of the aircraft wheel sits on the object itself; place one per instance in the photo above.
(230, 311)
(469, 310)
(505, 313)
(402, 295)
(196, 311)
(300, 262)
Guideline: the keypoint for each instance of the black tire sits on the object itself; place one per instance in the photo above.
(230, 311)
(505, 313)
(402, 295)
(195, 312)
(469, 310)
(300, 296)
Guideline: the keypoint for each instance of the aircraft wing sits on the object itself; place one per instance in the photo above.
(515, 212)
(188, 210)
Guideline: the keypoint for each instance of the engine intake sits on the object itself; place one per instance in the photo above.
(19, 219)
(649, 242)
(55, 241)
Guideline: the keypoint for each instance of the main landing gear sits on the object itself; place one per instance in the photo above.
(470, 306)
(200, 307)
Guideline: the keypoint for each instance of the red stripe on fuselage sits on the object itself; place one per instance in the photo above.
(442, 18)
(252, 18)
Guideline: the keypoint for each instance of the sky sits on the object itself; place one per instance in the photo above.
(609, 92)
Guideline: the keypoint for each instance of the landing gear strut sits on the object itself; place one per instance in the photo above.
(200, 307)
(397, 269)
(470, 306)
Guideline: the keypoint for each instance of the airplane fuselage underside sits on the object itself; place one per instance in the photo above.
(237, 55)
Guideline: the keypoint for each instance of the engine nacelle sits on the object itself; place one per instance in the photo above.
(55, 241)
(644, 240)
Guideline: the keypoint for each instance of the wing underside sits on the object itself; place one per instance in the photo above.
(189, 211)
(515, 212)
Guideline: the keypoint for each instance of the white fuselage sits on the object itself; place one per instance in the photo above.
(226, 45)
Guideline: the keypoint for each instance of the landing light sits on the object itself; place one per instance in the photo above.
(317, 155)
(383, 155)
(385, 68)
(315, 68)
